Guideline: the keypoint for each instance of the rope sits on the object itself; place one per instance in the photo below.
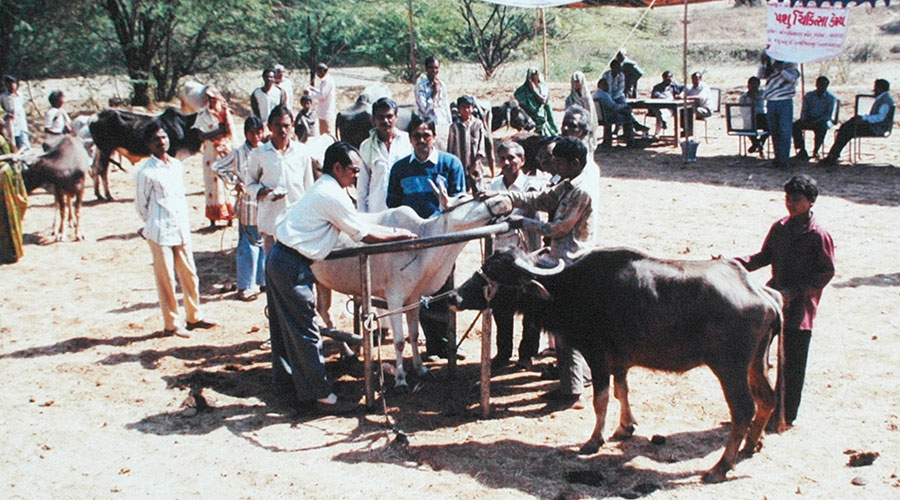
(638, 23)
(425, 302)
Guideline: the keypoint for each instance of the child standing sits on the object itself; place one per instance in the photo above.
(801, 253)
(468, 141)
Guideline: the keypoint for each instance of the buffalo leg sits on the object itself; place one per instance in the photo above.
(61, 202)
(735, 385)
(78, 199)
(600, 378)
(763, 395)
(626, 418)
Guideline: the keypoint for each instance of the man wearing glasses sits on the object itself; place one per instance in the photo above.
(409, 185)
(309, 231)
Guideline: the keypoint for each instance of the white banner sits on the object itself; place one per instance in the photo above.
(805, 34)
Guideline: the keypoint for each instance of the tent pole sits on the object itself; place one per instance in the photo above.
(412, 42)
(684, 75)
(544, 33)
(802, 82)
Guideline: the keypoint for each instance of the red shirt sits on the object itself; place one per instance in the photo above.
(801, 253)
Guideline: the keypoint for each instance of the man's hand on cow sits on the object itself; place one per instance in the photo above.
(483, 195)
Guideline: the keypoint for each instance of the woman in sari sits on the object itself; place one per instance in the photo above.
(215, 124)
(580, 96)
(13, 202)
(532, 96)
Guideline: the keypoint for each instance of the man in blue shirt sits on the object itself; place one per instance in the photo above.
(815, 115)
(409, 185)
(875, 124)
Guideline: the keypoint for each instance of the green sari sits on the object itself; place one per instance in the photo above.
(538, 111)
(13, 202)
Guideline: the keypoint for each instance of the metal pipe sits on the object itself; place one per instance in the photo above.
(420, 244)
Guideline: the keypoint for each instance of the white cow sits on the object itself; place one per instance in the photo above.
(403, 278)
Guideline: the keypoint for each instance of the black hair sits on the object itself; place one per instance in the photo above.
(571, 149)
(465, 99)
(267, 70)
(666, 72)
(753, 79)
(803, 184)
(418, 119)
(823, 78)
(252, 123)
(150, 130)
(432, 59)
(583, 113)
(322, 67)
(697, 74)
(54, 97)
(9, 79)
(615, 64)
(882, 83)
(339, 152)
(276, 114)
(305, 98)
(383, 104)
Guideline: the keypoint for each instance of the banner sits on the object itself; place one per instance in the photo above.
(805, 34)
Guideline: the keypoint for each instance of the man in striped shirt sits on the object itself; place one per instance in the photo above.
(781, 86)
(161, 203)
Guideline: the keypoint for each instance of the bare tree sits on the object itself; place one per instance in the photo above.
(498, 34)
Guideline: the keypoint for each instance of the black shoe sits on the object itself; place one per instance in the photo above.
(754, 148)
(801, 157)
(202, 324)
(341, 406)
(829, 161)
(498, 363)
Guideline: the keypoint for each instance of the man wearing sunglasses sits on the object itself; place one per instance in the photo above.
(409, 185)
(309, 231)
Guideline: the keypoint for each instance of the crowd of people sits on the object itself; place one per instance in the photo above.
(291, 214)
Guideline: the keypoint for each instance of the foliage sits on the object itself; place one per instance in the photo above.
(494, 33)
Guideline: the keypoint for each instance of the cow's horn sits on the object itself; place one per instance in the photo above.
(530, 268)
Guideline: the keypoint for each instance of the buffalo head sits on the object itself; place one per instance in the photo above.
(507, 280)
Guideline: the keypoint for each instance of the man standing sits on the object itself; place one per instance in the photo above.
(161, 203)
(16, 120)
(431, 98)
(410, 184)
(264, 99)
(308, 232)
(279, 172)
(815, 114)
(384, 147)
(781, 86)
(632, 73)
(573, 223)
(876, 123)
(511, 158)
(326, 99)
(286, 86)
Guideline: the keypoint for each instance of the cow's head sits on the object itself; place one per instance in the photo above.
(518, 118)
(507, 280)
(464, 211)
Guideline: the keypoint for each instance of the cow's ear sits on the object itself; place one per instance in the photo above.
(536, 288)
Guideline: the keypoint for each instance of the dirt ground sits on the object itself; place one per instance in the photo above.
(96, 399)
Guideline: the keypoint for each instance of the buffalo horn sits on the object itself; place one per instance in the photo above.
(530, 268)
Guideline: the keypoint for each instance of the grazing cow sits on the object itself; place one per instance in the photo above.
(117, 130)
(510, 114)
(63, 171)
(621, 308)
(403, 278)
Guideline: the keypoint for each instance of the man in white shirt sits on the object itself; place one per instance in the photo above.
(700, 94)
(16, 120)
(286, 85)
(511, 158)
(308, 232)
(384, 147)
(432, 100)
(279, 173)
(264, 99)
(326, 99)
(161, 203)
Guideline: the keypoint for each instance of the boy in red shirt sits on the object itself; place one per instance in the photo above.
(801, 253)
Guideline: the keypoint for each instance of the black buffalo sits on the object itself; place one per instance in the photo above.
(621, 308)
(509, 114)
(117, 130)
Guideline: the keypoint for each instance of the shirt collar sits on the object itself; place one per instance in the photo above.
(432, 157)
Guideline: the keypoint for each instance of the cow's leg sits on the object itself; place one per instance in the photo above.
(763, 395)
(412, 322)
(323, 304)
(600, 378)
(78, 199)
(61, 201)
(400, 384)
(735, 384)
(98, 172)
(626, 418)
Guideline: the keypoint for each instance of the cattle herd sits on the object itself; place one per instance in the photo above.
(618, 307)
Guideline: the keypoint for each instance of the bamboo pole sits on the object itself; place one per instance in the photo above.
(412, 41)
(684, 75)
(366, 280)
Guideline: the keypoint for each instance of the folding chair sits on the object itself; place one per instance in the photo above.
(717, 99)
(602, 121)
(863, 105)
(741, 122)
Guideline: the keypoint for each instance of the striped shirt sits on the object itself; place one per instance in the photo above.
(782, 84)
(232, 168)
(161, 203)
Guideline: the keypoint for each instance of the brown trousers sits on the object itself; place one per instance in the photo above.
(169, 261)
